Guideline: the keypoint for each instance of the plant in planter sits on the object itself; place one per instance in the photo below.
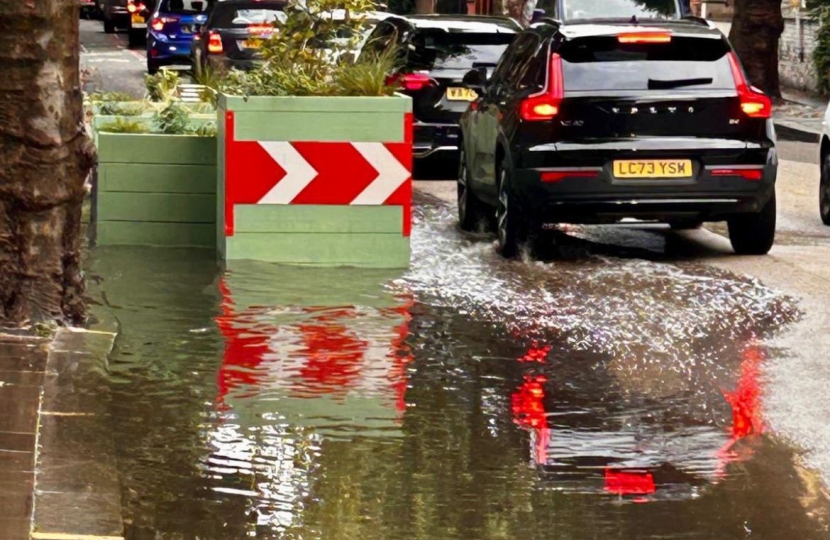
(317, 149)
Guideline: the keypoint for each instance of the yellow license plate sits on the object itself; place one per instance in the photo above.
(461, 94)
(252, 43)
(137, 18)
(653, 168)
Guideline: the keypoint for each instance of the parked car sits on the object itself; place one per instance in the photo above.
(114, 15)
(436, 53)
(232, 35)
(824, 160)
(571, 10)
(140, 11)
(596, 122)
(172, 29)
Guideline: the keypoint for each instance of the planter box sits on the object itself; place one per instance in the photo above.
(315, 180)
(156, 190)
(150, 107)
(196, 120)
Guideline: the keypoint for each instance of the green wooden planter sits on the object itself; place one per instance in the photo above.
(156, 190)
(196, 120)
(328, 231)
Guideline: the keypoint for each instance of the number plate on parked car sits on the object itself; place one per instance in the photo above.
(249, 44)
(461, 94)
(137, 18)
(653, 168)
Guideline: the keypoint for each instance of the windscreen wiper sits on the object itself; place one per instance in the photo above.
(658, 84)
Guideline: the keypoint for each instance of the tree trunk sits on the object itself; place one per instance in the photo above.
(45, 155)
(756, 27)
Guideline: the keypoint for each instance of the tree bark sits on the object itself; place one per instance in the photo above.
(45, 156)
(756, 27)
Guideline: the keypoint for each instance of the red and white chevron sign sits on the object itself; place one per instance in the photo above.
(330, 173)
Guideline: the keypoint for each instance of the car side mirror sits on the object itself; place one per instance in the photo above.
(475, 79)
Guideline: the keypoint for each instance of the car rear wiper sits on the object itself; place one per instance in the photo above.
(657, 84)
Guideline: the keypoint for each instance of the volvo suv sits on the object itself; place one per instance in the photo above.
(600, 121)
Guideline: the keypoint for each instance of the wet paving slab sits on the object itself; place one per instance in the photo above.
(22, 365)
(587, 392)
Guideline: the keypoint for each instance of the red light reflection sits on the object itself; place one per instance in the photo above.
(622, 482)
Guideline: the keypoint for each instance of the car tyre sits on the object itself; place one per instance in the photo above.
(471, 211)
(754, 234)
(824, 191)
(511, 225)
(109, 25)
(152, 67)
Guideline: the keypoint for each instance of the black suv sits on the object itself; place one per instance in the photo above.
(436, 52)
(601, 121)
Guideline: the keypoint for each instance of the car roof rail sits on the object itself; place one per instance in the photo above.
(698, 20)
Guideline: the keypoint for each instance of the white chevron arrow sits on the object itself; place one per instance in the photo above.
(391, 174)
(298, 172)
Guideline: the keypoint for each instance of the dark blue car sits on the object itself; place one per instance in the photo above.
(171, 31)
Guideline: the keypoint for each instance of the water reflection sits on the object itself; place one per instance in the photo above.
(471, 398)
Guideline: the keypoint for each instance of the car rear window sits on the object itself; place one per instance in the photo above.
(440, 49)
(183, 6)
(614, 9)
(242, 15)
(602, 63)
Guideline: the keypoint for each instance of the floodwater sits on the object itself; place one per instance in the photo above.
(589, 393)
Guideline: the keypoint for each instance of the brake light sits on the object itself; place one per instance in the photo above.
(214, 43)
(645, 37)
(754, 103)
(410, 81)
(132, 7)
(159, 22)
(258, 30)
(747, 174)
(545, 105)
(561, 174)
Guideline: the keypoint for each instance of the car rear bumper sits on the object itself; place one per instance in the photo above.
(721, 185)
(435, 140)
(168, 50)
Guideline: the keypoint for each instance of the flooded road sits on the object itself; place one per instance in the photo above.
(592, 392)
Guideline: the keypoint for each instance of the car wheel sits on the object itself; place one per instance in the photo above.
(754, 234)
(511, 225)
(152, 67)
(824, 190)
(471, 211)
(109, 25)
(135, 38)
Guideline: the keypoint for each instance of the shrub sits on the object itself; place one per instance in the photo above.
(308, 55)
(162, 86)
(121, 125)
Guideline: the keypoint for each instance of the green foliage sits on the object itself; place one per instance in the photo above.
(208, 129)
(173, 119)
(162, 86)
(122, 125)
(129, 108)
(103, 97)
(821, 58)
(308, 55)
(367, 76)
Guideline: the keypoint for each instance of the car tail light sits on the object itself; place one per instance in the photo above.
(746, 174)
(754, 103)
(545, 105)
(654, 36)
(411, 81)
(561, 174)
(214, 43)
(159, 22)
(260, 30)
(132, 7)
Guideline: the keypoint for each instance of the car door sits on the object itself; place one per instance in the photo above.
(498, 108)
